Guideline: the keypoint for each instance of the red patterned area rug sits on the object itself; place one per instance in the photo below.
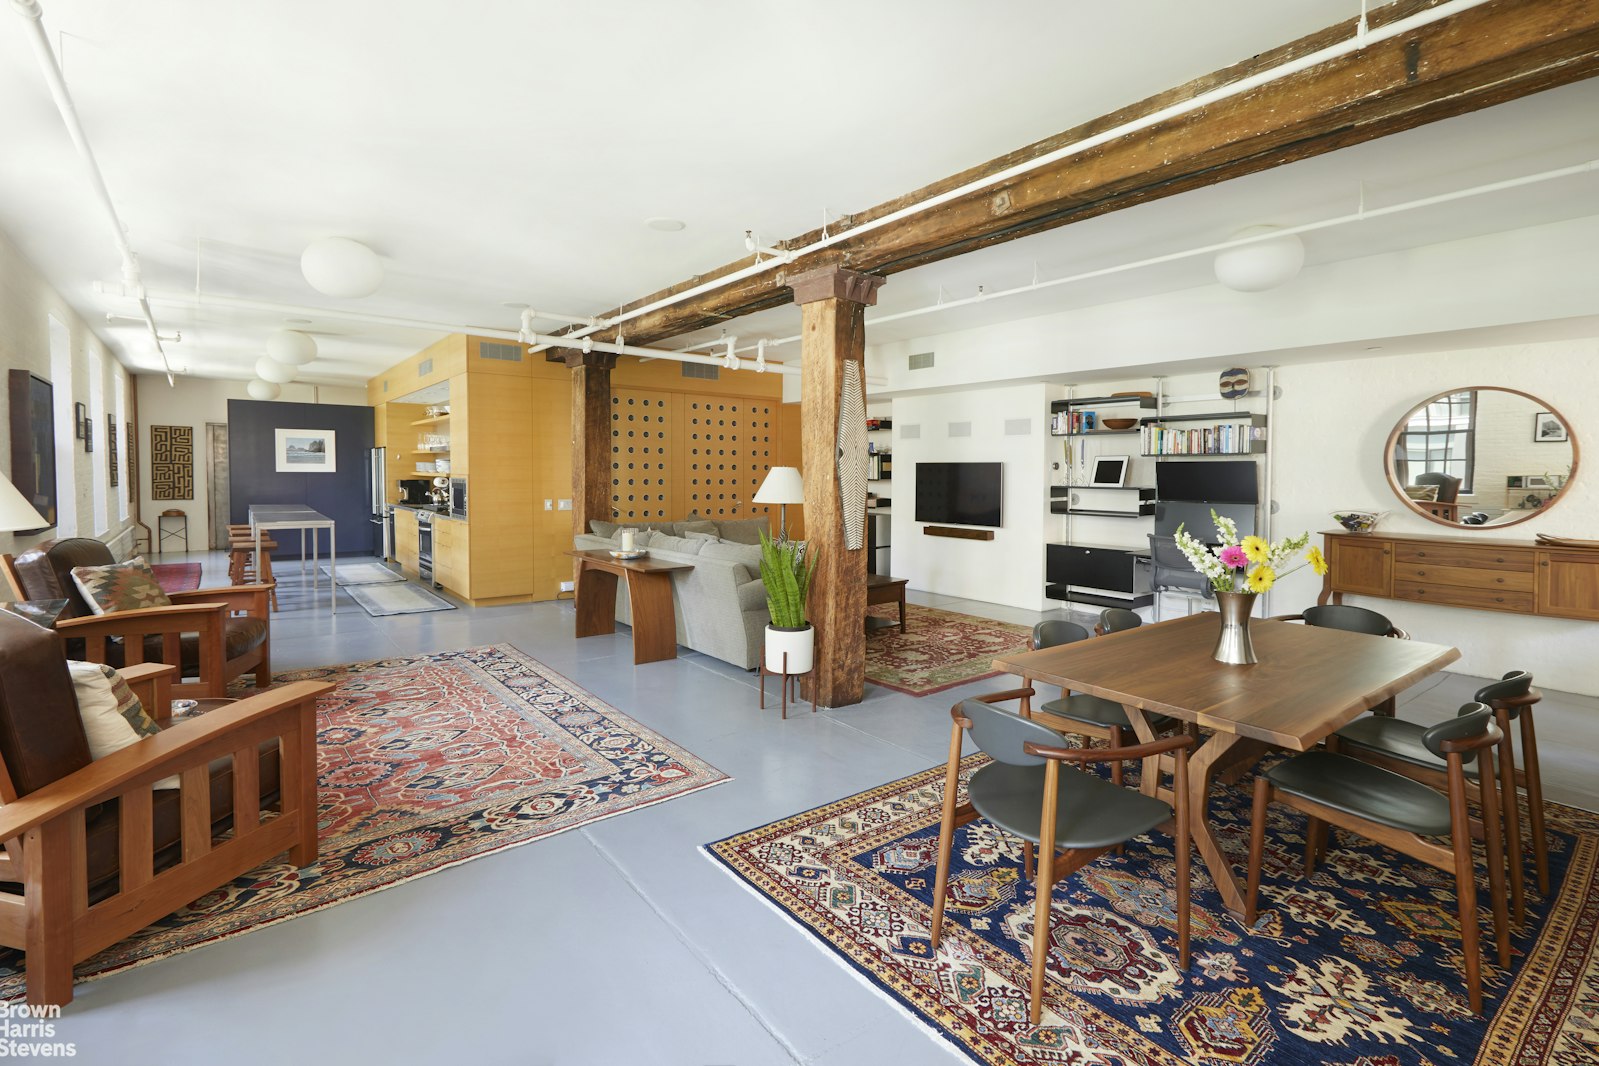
(176, 577)
(1357, 965)
(425, 763)
(938, 650)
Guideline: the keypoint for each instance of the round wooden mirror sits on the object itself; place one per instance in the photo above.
(1481, 458)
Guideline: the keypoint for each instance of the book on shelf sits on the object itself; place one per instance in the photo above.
(1224, 438)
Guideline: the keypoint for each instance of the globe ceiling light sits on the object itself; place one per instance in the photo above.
(1263, 265)
(263, 390)
(290, 347)
(267, 370)
(338, 266)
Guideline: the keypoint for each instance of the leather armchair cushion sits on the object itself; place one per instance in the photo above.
(45, 570)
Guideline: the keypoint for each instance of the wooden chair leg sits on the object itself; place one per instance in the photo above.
(946, 830)
(1043, 887)
(1540, 836)
(1117, 736)
(1465, 887)
(1315, 844)
(1027, 860)
(1496, 858)
(1512, 814)
(1257, 848)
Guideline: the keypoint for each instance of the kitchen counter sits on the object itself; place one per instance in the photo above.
(437, 514)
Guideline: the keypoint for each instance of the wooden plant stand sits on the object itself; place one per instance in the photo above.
(788, 681)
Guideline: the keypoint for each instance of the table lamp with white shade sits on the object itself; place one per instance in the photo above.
(783, 486)
(15, 510)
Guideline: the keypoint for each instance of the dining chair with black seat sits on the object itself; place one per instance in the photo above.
(1116, 620)
(1078, 712)
(1070, 815)
(1397, 744)
(1334, 789)
(1350, 619)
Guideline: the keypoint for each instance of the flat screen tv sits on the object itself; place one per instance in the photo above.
(963, 494)
(1213, 481)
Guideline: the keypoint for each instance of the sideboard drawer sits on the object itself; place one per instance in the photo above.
(1461, 555)
(1464, 577)
(1487, 599)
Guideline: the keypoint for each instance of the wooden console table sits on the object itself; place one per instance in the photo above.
(1484, 573)
(649, 589)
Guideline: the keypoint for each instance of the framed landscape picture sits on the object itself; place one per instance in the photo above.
(306, 451)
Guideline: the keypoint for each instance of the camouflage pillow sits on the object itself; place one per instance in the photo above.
(125, 586)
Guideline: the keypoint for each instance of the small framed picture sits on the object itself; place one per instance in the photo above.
(1110, 472)
(306, 451)
(1547, 428)
(80, 421)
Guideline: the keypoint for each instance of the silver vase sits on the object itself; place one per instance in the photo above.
(1233, 644)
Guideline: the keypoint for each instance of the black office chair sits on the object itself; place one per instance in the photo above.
(1402, 814)
(1115, 620)
(1170, 571)
(1399, 745)
(1026, 792)
(1080, 713)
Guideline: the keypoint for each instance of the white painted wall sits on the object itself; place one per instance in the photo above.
(1010, 568)
(26, 304)
(194, 402)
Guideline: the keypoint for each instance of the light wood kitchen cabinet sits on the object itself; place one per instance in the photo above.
(405, 540)
(1518, 577)
(451, 545)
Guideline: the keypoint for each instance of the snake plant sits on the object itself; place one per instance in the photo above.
(786, 573)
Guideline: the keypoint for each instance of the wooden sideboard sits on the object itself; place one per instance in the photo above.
(1518, 576)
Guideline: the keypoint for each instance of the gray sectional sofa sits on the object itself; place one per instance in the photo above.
(721, 603)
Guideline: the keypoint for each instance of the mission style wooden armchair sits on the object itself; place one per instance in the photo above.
(210, 635)
(91, 852)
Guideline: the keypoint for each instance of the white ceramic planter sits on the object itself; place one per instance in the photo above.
(799, 644)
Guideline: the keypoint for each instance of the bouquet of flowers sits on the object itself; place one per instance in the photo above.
(1246, 564)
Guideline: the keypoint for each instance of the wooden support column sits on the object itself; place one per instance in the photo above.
(591, 437)
(832, 316)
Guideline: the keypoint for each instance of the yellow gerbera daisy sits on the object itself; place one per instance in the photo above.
(1256, 549)
(1318, 561)
(1261, 578)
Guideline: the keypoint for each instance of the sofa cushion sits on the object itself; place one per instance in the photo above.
(696, 526)
(744, 530)
(747, 555)
(661, 542)
(603, 529)
(127, 586)
(695, 535)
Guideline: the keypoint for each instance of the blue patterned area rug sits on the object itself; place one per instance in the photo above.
(1356, 965)
(424, 763)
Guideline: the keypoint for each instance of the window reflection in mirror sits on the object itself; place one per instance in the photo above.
(1481, 458)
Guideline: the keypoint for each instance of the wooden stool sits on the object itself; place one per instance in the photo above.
(163, 534)
(241, 563)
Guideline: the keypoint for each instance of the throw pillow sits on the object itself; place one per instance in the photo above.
(603, 529)
(109, 720)
(125, 586)
(661, 542)
(747, 555)
(744, 531)
(695, 534)
(693, 525)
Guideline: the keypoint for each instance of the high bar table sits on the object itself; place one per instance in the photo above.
(271, 516)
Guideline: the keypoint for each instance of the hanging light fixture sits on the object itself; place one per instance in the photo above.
(267, 370)
(290, 347)
(1263, 264)
(338, 266)
(263, 390)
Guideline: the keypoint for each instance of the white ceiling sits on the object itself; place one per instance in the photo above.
(502, 152)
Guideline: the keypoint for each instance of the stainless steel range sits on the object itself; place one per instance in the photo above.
(424, 547)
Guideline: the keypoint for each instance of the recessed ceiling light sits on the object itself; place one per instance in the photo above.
(666, 225)
(515, 305)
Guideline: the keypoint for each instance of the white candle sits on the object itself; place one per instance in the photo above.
(627, 540)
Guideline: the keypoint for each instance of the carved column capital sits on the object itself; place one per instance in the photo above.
(835, 283)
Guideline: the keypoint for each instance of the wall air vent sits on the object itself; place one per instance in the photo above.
(424, 368)
(385, 384)
(1018, 427)
(960, 429)
(924, 361)
(910, 432)
(708, 371)
(505, 353)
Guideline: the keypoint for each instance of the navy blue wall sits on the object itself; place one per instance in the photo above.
(341, 495)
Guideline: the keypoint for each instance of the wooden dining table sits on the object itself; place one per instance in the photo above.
(1310, 682)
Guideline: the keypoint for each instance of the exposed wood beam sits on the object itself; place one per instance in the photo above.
(1501, 51)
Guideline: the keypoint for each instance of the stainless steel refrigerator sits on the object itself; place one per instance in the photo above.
(382, 512)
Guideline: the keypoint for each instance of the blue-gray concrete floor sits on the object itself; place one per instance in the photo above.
(619, 942)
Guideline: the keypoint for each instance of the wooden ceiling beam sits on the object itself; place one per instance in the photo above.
(1500, 51)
